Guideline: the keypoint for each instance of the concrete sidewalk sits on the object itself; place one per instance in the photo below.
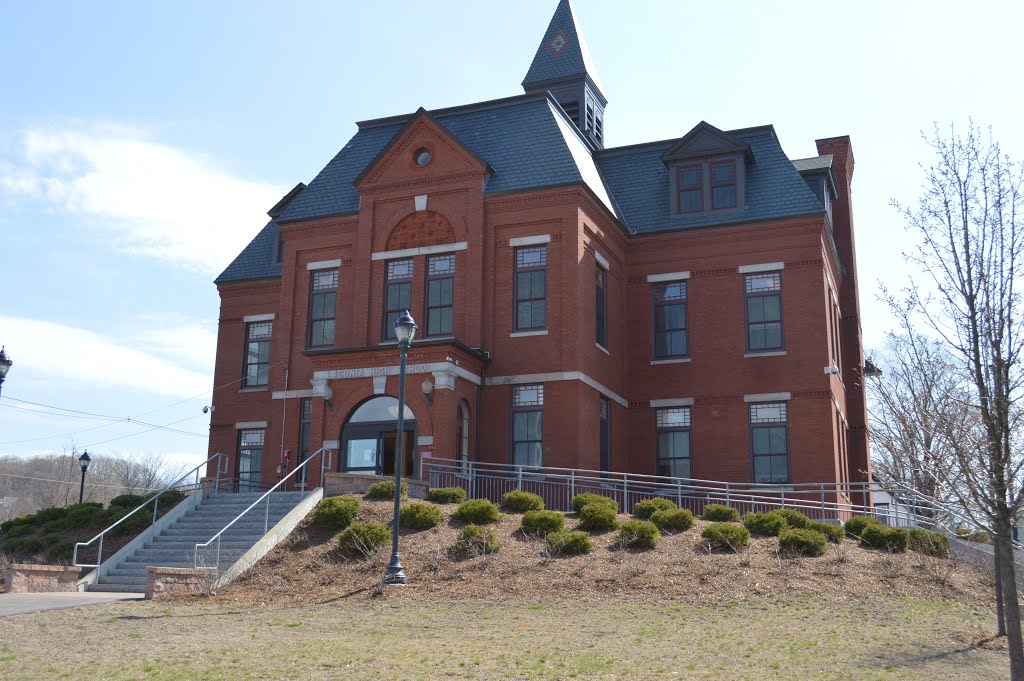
(19, 604)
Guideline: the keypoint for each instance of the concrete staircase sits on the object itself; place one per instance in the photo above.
(174, 546)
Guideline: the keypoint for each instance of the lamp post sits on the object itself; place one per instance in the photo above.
(5, 365)
(405, 330)
(83, 461)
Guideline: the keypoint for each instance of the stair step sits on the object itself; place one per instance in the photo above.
(132, 579)
(120, 588)
(166, 544)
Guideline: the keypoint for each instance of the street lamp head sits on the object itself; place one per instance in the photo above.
(5, 363)
(405, 328)
(84, 461)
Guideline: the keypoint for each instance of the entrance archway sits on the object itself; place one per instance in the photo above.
(369, 438)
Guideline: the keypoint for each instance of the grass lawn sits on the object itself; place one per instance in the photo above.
(881, 637)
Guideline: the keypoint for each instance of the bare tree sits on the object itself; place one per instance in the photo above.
(141, 472)
(969, 220)
(910, 407)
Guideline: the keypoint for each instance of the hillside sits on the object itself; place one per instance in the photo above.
(308, 568)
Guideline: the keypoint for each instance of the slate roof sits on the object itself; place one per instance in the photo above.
(256, 261)
(639, 180)
(803, 165)
(551, 63)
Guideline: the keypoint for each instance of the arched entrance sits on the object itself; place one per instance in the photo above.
(369, 439)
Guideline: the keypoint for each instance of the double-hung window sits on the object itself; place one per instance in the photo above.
(763, 293)
(397, 294)
(250, 459)
(323, 299)
(605, 434)
(673, 442)
(527, 425)
(531, 288)
(440, 295)
(257, 354)
(601, 305)
(723, 184)
(769, 441)
(670, 335)
(305, 424)
(691, 188)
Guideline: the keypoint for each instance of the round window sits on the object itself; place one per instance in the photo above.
(422, 157)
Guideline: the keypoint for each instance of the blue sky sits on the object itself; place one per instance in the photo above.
(141, 145)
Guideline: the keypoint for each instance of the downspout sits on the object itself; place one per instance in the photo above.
(479, 388)
(284, 413)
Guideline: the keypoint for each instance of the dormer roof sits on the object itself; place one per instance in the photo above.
(706, 140)
(280, 206)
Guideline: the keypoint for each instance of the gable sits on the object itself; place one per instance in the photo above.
(398, 162)
(706, 140)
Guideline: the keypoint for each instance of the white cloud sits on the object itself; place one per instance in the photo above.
(156, 200)
(70, 354)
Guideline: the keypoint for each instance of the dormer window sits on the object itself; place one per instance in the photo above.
(723, 184)
(691, 189)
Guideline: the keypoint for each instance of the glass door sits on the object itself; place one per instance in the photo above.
(388, 445)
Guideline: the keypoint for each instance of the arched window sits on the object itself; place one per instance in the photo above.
(462, 434)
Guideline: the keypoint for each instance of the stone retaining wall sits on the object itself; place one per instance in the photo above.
(352, 483)
(170, 581)
(20, 578)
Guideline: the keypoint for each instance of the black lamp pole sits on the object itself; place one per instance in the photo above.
(5, 365)
(405, 330)
(84, 462)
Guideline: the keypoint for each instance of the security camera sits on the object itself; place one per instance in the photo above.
(833, 369)
(207, 410)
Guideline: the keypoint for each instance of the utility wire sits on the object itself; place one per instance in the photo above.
(72, 482)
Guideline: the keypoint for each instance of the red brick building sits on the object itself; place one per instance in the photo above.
(686, 307)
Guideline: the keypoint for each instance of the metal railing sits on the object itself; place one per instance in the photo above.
(155, 499)
(325, 464)
(828, 501)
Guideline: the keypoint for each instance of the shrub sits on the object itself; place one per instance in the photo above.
(419, 517)
(520, 502)
(565, 543)
(929, 543)
(474, 540)
(27, 547)
(60, 550)
(47, 515)
(977, 537)
(336, 512)
(171, 498)
(855, 525)
(477, 512)
(133, 524)
(447, 495)
(726, 537)
(638, 534)
(833, 533)
(646, 508)
(20, 531)
(672, 520)
(580, 501)
(362, 540)
(385, 490)
(721, 514)
(879, 536)
(54, 526)
(130, 501)
(794, 518)
(795, 541)
(768, 524)
(84, 515)
(598, 517)
(542, 523)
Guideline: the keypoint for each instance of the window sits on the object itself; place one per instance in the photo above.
(250, 459)
(769, 441)
(670, 319)
(440, 295)
(527, 425)
(723, 184)
(601, 305)
(397, 294)
(530, 285)
(691, 189)
(605, 435)
(462, 435)
(323, 294)
(305, 423)
(598, 126)
(257, 354)
(673, 442)
(764, 311)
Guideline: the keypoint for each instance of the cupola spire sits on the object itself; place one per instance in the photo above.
(563, 67)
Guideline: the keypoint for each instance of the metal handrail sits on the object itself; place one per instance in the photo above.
(156, 506)
(324, 464)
